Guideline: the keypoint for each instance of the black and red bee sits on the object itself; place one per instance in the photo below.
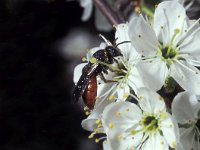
(87, 83)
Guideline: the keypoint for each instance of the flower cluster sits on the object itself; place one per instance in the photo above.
(147, 96)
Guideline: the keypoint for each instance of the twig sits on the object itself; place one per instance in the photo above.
(107, 11)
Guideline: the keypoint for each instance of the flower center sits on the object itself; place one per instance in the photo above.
(168, 52)
(150, 123)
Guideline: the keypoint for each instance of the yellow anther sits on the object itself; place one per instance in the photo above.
(132, 132)
(85, 108)
(162, 142)
(97, 140)
(140, 97)
(110, 125)
(105, 142)
(87, 113)
(176, 30)
(99, 126)
(119, 136)
(111, 97)
(93, 60)
(96, 131)
(117, 113)
(159, 97)
(173, 144)
(98, 121)
(163, 115)
(125, 95)
(84, 59)
(91, 136)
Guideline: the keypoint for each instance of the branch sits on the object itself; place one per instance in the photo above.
(107, 11)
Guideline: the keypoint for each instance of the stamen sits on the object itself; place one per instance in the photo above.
(134, 96)
(100, 139)
(114, 69)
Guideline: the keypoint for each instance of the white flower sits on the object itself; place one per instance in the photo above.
(186, 109)
(147, 127)
(128, 77)
(170, 47)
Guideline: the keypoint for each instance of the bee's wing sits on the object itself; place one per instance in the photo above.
(82, 83)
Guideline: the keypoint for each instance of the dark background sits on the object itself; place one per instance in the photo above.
(35, 88)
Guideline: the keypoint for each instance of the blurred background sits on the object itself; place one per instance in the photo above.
(37, 58)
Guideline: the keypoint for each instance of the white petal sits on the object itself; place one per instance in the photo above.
(134, 80)
(155, 142)
(123, 92)
(87, 5)
(121, 35)
(188, 79)
(153, 73)
(185, 107)
(125, 119)
(187, 141)
(168, 129)
(78, 72)
(190, 46)
(150, 101)
(118, 119)
(169, 15)
(142, 36)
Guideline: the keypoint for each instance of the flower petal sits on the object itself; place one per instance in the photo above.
(87, 5)
(185, 107)
(169, 15)
(150, 102)
(187, 76)
(168, 130)
(155, 142)
(142, 36)
(153, 73)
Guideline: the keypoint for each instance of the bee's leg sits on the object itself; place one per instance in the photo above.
(104, 79)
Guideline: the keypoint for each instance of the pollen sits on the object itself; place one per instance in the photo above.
(111, 97)
(173, 144)
(98, 121)
(119, 136)
(91, 136)
(141, 97)
(97, 140)
(93, 60)
(87, 113)
(84, 59)
(176, 30)
(110, 125)
(117, 113)
(125, 95)
(159, 98)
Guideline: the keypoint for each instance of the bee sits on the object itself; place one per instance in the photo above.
(87, 83)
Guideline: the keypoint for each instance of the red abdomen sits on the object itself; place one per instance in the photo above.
(90, 93)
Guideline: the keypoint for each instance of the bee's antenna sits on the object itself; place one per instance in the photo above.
(123, 43)
(107, 41)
